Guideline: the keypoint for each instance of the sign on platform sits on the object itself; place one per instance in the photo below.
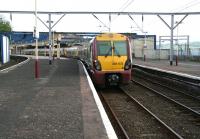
(4, 49)
(36, 33)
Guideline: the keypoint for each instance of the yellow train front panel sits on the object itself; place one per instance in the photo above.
(112, 51)
(112, 63)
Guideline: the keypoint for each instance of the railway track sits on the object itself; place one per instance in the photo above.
(176, 83)
(178, 78)
(183, 121)
(134, 119)
(186, 100)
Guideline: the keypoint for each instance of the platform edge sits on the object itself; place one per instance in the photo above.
(107, 124)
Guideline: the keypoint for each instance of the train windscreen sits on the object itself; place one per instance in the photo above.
(120, 48)
(104, 48)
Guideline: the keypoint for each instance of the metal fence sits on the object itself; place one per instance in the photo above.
(191, 54)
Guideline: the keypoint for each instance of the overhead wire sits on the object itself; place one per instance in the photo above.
(187, 5)
(100, 21)
(127, 5)
(124, 7)
(140, 28)
(183, 7)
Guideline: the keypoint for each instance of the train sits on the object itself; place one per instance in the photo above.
(108, 59)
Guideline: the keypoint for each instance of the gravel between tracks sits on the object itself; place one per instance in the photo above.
(136, 122)
(173, 94)
(182, 122)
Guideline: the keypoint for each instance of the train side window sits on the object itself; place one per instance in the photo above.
(90, 47)
(90, 51)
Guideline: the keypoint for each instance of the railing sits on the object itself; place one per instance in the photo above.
(192, 54)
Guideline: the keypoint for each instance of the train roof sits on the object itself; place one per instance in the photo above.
(111, 36)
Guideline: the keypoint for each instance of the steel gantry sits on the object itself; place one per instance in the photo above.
(172, 26)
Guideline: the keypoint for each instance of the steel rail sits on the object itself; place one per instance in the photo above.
(158, 119)
(153, 82)
(186, 76)
(115, 117)
(166, 97)
(186, 82)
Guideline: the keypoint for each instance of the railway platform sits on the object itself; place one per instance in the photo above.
(61, 103)
(184, 68)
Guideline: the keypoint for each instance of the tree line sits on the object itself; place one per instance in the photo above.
(5, 25)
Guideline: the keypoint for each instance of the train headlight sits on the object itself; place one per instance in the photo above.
(127, 65)
(97, 65)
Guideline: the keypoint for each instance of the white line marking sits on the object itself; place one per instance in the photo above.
(6, 70)
(109, 129)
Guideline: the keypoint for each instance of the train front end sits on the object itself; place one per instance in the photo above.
(112, 61)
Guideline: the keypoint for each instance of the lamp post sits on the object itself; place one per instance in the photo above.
(36, 35)
(145, 45)
(50, 40)
(53, 32)
(145, 39)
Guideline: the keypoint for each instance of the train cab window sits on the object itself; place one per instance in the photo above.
(104, 48)
(120, 48)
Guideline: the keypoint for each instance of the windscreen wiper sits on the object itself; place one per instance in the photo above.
(117, 52)
(110, 49)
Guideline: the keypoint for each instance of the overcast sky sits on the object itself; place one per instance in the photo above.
(86, 23)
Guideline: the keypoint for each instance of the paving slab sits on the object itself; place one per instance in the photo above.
(186, 67)
(57, 105)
